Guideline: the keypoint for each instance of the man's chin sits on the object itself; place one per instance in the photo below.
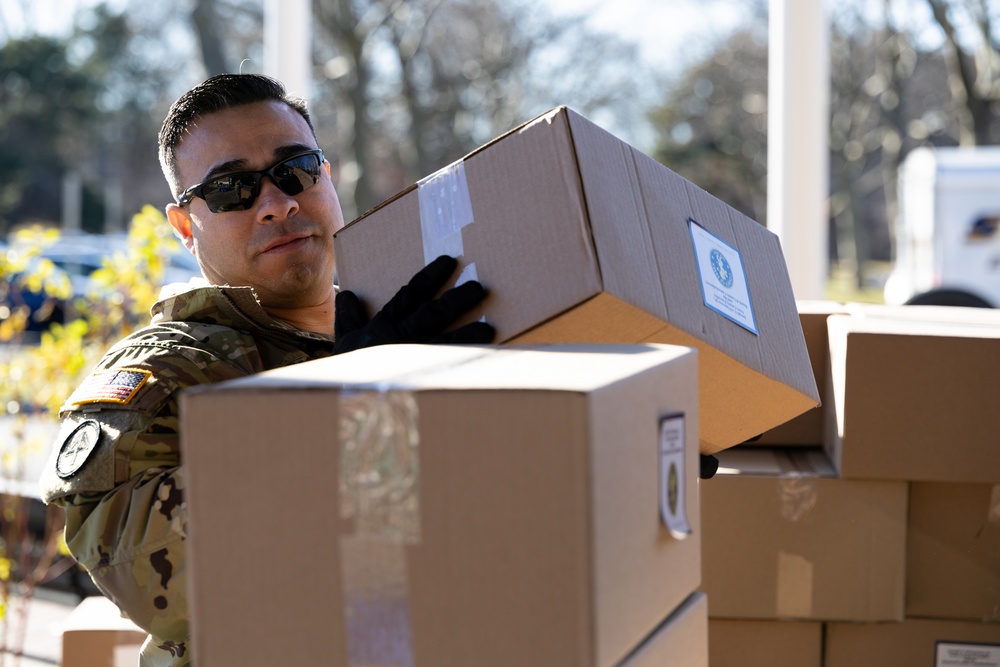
(297, 293)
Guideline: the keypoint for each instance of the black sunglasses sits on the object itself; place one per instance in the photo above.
(238, 192)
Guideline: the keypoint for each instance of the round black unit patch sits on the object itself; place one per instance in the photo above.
(77, 447)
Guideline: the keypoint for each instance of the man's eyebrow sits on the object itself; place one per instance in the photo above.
(241, 164)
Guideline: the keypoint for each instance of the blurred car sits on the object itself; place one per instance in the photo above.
(75, 259)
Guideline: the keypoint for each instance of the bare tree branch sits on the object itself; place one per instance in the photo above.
(204, 21)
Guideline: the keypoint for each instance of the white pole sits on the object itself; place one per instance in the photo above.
(798, 131)
(288, 44)
(72, 201)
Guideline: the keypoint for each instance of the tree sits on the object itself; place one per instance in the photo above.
(87, 102)
(410, 87)
(888, 96)
(712, 129)
(973, 65)
(46, 109)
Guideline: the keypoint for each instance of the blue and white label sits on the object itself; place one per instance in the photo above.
(723, 281)
(672, 476)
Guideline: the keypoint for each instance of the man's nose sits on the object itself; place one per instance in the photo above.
(272, 202)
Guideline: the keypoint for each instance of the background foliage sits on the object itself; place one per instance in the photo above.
(35, 379)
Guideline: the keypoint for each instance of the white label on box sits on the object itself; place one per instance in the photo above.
(672, 476)
(947, 654)
(723, 280)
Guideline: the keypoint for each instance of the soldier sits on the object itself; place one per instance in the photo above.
(257, 208)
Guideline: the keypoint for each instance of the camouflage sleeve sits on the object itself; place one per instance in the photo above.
(132, 543)
(116, 470)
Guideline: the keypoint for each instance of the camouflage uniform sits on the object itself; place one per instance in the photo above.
(116, 467)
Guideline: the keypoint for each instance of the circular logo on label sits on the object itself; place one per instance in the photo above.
(721, 268)
(77, 447)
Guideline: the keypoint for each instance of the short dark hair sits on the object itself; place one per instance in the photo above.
(216, 94)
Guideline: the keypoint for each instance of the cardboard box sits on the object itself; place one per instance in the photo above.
(506, 509)
(581, 238)
(96, 635)
(914, 400)
(953, 551)
(783, 538)
(912, 642)
(681, 640)
(765, 643)
(808, 429)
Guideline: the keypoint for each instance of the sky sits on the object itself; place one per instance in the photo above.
(663, 29)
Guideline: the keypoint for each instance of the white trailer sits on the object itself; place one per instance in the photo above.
(948, 228)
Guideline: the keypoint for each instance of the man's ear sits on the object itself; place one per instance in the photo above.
(180, 220)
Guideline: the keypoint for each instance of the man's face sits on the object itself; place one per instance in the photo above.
(282, 245)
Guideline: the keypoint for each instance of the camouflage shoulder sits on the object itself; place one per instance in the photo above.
(125, 411)
(140, 371)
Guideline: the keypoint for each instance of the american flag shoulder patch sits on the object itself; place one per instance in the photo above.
(115, 385)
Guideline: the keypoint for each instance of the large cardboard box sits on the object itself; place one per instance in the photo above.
(913, 642)
(96, 635)
(733, 643)
(808, 429)
(581, 238)
(783, 538)
(681, 640)
(953, 551)
(443, 506)
(915, 399)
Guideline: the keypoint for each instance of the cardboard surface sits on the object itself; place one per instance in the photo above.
(807, 429)
(953, 551)
(784, 539)
(915, 399)
(505, 510)
(96, 635)
(581, 238)
(912, 642)
(765, 643)
(681, 640)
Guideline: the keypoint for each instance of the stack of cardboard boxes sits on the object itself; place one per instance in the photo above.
(869, 530)
(449, 506)
(535, 503)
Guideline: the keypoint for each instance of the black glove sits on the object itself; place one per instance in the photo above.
(413, 315)
(709, 466)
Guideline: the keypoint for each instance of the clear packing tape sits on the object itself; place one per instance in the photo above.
(379, 494)
(445, 209)
(797, 489)
(798, 493)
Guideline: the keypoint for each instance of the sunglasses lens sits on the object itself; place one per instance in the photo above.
(235, 192)
(295, 175)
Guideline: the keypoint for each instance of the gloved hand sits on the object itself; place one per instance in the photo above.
(709, 466)
(413, 315)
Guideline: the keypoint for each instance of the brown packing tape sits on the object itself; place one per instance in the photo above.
(379, 492)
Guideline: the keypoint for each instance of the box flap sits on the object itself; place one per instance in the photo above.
(582, 368)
